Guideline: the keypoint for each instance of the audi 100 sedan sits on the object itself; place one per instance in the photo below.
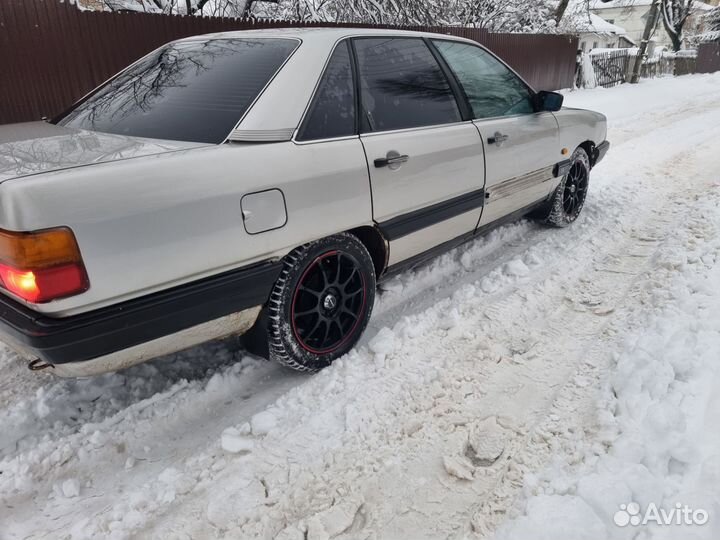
(261, 182)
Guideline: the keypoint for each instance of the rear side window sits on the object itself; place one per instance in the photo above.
(332, 112)
(188, 91)
(492, 89)
(402, 85)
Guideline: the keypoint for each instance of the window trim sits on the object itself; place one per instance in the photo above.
(229, 137)
(417, 128)
(358, 92)
(449, 75)
(466, 112)
(308, 105)
(531, 90)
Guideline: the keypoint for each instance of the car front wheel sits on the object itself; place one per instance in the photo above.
(569, 197)
(321, 303)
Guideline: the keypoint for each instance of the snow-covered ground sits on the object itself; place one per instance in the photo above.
(523, 386)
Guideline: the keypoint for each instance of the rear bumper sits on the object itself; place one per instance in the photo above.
(124, 334)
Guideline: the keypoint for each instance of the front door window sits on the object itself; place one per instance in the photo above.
(492, 89)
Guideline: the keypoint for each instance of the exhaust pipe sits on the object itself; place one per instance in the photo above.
(39, 365)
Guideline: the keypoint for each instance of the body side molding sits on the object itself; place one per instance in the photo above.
(456, 242)
(411, 222)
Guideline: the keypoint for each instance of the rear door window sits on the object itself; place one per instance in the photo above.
(332, 111)
(187, 91)
(402, 85)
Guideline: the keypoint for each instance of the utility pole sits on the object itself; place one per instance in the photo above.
(560, 10)
(649, 27)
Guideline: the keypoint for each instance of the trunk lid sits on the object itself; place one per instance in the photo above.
(39, 147)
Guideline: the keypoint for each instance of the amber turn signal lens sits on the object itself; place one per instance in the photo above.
(38, 249)
(41, 266)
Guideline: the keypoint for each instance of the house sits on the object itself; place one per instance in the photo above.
(632, 16)
(596, 32)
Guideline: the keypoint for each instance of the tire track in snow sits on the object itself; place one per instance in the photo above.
(620, 279)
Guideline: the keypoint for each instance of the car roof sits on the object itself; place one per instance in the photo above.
(280, 108)
(320, 34)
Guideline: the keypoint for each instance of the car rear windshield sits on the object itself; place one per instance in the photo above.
(187, 91)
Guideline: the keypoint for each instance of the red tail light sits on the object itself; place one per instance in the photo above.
(41, 266)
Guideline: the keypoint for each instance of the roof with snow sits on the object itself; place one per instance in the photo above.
(704, 6)
(598, 25)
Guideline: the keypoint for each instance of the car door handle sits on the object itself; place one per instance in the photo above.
(392, 158)
(498, 138)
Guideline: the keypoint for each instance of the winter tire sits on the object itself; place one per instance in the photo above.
(321, 303)
(569, 198)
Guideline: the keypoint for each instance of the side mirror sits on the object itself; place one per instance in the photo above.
(548, 101)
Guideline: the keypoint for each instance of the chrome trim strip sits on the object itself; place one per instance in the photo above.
(261, 135)
(331, 139)
(413, 129)
(510, 187)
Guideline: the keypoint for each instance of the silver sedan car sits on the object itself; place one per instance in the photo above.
(262, 182)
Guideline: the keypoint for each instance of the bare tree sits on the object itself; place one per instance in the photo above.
(494, 15)
(217, 8)
(574, 16)
(560, 10)
(712, 19)
(675, 13)
(649, 29)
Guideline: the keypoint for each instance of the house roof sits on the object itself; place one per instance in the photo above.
(704, 6)
(598, 25)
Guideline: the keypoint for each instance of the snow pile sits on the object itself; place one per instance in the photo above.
(588, 77)
(658, 415)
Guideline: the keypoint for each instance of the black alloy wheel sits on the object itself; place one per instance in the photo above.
(575, 190)
(567, 201)
(328, 302)
(321, 303)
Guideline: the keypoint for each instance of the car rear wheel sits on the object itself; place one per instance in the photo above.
(321, 303)
(569, 198)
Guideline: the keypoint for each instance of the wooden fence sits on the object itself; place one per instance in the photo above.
(708, 59)
(615, 67)
(51, 54)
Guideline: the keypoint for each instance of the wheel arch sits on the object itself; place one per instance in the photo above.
(376, 244)
(590, 148)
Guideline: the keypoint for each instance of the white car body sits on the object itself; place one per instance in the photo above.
(157, 215)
